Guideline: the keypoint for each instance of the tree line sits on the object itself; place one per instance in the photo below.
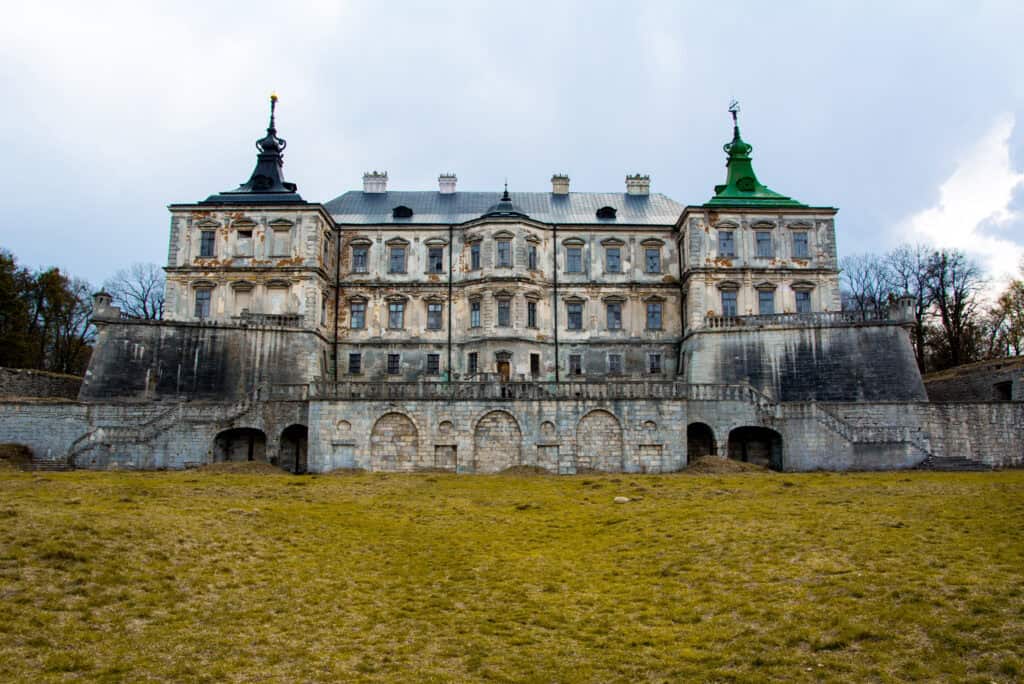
(954, 321)
(45, 314)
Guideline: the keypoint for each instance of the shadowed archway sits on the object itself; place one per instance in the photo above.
(294, 445)
(758, 445)
(240, 445)
(700, 441)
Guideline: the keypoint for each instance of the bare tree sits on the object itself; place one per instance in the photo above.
(955, 282)
(866, 284)
(138, 290)
(908, 268)
(1006, 322)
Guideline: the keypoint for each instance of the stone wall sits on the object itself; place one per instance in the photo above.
(997, 380)
(141, 360)
(840, 363)
(22, 382)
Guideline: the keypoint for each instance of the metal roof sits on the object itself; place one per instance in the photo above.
(433, 207)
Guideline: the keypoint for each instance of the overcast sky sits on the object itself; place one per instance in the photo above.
(907, 117)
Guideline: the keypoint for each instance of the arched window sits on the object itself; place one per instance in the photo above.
(606, 212)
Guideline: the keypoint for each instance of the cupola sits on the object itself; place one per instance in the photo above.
(505, 207)
(266, 185)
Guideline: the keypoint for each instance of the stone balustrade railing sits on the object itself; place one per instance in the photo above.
(791, 319)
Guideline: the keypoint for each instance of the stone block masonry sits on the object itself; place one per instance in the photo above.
(22, 382)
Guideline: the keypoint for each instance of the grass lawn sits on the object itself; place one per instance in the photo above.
(205, 576)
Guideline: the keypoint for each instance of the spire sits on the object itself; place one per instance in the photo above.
(742, 188)
(266, 184)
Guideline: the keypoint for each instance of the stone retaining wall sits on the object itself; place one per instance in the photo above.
(22, 382)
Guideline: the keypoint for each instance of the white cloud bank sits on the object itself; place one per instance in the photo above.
(974, 202)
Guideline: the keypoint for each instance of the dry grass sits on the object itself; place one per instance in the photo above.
(198, 576)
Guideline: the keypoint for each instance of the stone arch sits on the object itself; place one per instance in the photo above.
(497, 442)
(700, 441)
(599, 442)
(240, 444)
(394, 443)
(758, 445)
(294, 448)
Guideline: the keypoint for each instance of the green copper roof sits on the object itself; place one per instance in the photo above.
(741, 188)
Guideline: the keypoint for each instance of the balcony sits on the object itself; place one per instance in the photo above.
(791, 320)
(269, 320)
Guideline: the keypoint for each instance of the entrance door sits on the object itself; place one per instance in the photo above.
(504, 370)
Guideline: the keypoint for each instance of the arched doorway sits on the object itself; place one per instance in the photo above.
(497, 443)
(757, 445)
(700, 441)
(294, 444)
(394, 443)
(239, 445)
(599, 442)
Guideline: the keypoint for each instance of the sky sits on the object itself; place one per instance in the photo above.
(907, 116)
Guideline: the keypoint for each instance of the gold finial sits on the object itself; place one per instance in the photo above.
(273, 96)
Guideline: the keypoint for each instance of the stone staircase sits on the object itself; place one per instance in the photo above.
(953, 463)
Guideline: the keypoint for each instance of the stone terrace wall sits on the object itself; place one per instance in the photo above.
(977, 381)
(22, 382)
(489, 436)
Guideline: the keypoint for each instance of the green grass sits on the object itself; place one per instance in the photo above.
(745, 577)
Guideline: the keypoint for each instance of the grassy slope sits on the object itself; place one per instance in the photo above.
(186, 576)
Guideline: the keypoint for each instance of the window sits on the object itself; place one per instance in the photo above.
(433, 364)
(575, 364)
(613, 314)
(277, 299)
(575, 317)
(401, 212)
(613, 260)
(474, 314)
(765, 302)
(281, 242)
(243, 243)
(327, 249)
(206, 242)
(652, 260)
(357, 315)
(203, 303)
(394, 364)
(764, 244)
(800, 250)
(504, 253)
(396, 315)
(803, 301)
(434, 315)
(614, 364)
(654, 364)
(531, 257)
(471, 363)
(534, 365)
(504, 313)
(606, 213)
(531, 314)
(726, 243)
(360, 263)
(435, 260)
(243, 300)
(729, 304)
(574, 260)
(654, 315)
(355, 364)
(396, 264)
(323, 310)
(474, 256)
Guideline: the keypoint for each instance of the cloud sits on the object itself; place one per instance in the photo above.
(976, 209)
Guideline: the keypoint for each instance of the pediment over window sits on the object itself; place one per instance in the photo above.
(360, 241)
(434, 299)
(654, 298)
(243, 223)
(652, 242)
(726, 225)
(574, 299)
(208, 223)
(612, 242)
(763, 225)
(800, 225)
(532, 296)
(503, 294)
(530, 237)
(397, 242)
(281, 223)
(765, 285)
(573, 242)
(470, 239)
(278, 283)
(396, 298)
(435, 242)
(504, 235)
(242, 285)
(203, 284)
(614, 298)
(358, 298)
(728, 285)
(802, 285)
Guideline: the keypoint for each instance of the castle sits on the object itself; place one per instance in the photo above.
(476, 331)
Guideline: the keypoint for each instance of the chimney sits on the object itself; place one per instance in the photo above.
(446, 183)
(375, 182)
(560, 184)
(638, 185)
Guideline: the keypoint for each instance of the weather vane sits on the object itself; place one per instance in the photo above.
(734, 109)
